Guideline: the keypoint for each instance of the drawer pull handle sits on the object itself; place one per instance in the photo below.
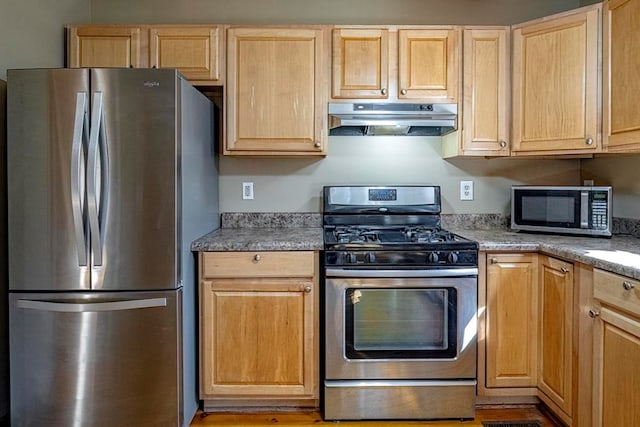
(257, 257)
(628, 285)
(594, 313)
(307, 289)
(494, 260)
(564, 270)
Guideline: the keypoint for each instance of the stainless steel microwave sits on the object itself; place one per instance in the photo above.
(566, 210)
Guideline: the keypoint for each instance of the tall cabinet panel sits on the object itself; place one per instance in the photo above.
(555, 84)
(276, 91)
(485, 119)
(621, 84)
(556, 333)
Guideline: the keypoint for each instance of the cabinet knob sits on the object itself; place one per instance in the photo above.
(628, 285)
(307, 289)
(594, 313)
(383, 91)
(493, 260)
(317, 144)
(257, 257)
(588, 141)
(564, 270)
(503, 144)
(403, 91)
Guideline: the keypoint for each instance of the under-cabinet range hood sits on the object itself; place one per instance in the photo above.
(392, 119)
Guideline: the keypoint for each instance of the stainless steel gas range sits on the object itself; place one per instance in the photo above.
(400, 307)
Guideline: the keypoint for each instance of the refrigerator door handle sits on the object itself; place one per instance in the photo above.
(80, 130)
(73, 307)
(95, 176)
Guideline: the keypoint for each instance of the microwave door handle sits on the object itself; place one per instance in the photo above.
(584, 209)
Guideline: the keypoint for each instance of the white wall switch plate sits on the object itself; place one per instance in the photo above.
(247, 191)
(466, 190)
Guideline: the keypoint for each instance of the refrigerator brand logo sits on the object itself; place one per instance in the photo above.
(152, 83)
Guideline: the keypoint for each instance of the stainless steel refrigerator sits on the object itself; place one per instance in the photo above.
(111, 174)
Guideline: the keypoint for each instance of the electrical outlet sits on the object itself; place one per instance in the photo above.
(247, 191)
(466, 190)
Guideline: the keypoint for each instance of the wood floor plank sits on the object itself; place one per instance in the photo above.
(313, 418)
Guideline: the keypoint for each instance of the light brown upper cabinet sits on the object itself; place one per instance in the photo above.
(276, 101)
(621, 85)
(360, 63)
(555, 84)
(484, 126)
(394, 63)
(105, 46)
(195, 50)
(428, 64)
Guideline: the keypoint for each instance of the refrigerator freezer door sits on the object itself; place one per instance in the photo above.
(92, 359)
(133, 201)
(45, 152)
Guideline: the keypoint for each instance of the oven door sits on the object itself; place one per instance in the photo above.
(401, 324)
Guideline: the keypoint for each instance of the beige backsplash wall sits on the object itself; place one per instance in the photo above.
(621, 172)
(295, 185)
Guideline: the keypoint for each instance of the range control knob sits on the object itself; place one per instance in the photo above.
(452, 257)
(351, 258)
(433, 257)
(371, 257)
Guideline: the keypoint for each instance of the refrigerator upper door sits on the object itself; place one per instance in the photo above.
(132, 179)
(47, 137)
(96, 359)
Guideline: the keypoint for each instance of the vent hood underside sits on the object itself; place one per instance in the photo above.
(392, 119)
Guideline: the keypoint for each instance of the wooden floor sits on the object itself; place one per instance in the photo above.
(314, 419)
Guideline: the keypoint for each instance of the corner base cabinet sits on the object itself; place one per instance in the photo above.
(259, 329)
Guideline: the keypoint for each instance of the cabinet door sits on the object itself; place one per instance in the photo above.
(194, 50)
(555, 85)
(511, 320)
(360, 63)
(616, 379)
(104, 46)
(556, 332)
(621, 85)
(428, 65)
(277, 99)
(486, 79)
(258, 338)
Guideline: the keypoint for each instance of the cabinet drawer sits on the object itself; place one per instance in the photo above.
(257, 264)
(619, 291)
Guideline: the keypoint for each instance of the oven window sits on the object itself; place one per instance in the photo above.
(400, 323)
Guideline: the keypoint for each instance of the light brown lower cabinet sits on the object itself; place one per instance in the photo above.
(535, 340)
(259, 329)
(616, 400)
(511, 321)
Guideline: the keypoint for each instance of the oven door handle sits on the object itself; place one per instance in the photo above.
(445, 272)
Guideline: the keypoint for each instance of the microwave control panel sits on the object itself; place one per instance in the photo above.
(599, 210)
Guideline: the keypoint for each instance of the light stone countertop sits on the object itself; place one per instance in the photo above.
(303, 232)
(261, 239)
(619, 254)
